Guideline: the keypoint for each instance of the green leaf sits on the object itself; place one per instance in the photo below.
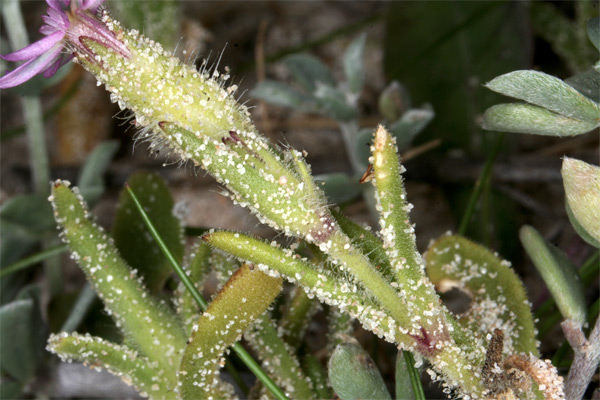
(126, 299)
(29, 213)
(546, 91)
(587, 83)
(525, 118)
(593, 30)
(353, 374)
(119, 360)
(339, 187)
(21, 338)
(280, 94)
(90, 180)
(410, 125)
(354, 63)
(309, 71)
(334, 103)
(498, 298)
(244, 298)
(582, 189)
(559, 274)
(158, 20)
(580, 229)
(393, 101)
(10, 389)
(132, 237)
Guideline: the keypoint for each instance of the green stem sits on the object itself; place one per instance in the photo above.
(237, 348)
(33, 259)
(483, 177)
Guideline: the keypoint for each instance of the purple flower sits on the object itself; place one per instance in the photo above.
(65, 23)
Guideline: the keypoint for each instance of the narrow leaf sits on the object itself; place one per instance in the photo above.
(397, 231)
(314, 280)
(296, 316)
(239, 350)
(548, 92)
(124, 296)
(525, 118)
(559, 274)
(133, 238)
(498, 298)
(354, 63)
(119, 360)
(243, 298)
(353, 374)
(278, 358)
(317, 376)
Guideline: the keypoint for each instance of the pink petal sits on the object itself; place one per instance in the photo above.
(51, 26)
(55, 4)
(91, 4)
(32, 67)
(47, 30)
(59, 18)
(35, 49)
(57, 64)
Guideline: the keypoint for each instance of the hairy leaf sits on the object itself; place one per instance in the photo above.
(238, 304)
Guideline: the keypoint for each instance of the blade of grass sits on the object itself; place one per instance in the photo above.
(415, 378)
(33, 259)
(479, 185)
(237, 348)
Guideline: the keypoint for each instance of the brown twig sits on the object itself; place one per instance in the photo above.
(587, 357)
